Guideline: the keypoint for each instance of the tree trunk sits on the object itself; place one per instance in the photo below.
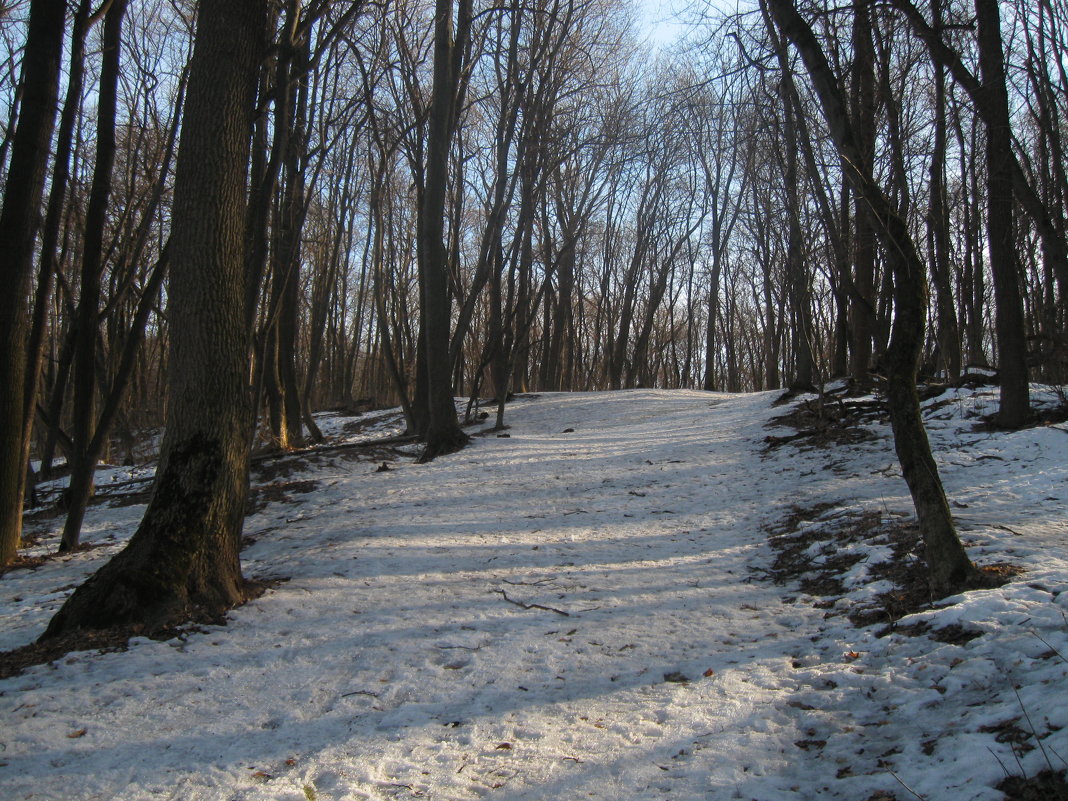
(1015, 407)
(87, 325)
(863, 301)
(1054, 237)
(57, 194)
(288, 249)
(948, 566)
(18, 228)
(948, 332)
(797, 273)
(184, 558)
(443, 434)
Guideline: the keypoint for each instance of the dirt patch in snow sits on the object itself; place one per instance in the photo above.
(817, 547)
(1046, 786)
(827, 421)
(278, 492)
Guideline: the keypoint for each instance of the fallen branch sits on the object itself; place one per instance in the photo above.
(383, 442)
(899, 781)
(461, 647)
(522, 605)
(1006, 528)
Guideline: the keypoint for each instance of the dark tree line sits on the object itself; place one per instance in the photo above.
(430, 200)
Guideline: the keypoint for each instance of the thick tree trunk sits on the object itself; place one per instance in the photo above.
(443, 434)
(18, 228)
(949, 569)
(183, 560)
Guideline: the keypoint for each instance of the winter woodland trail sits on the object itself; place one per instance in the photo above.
(552, 615)
(640, 525)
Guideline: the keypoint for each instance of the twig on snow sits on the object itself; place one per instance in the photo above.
(523, 605)
(529, 583)
(1045, 642)
(1006, 528)
(461, 647)
(899, 781)
(1003, 768)
(1034, 731)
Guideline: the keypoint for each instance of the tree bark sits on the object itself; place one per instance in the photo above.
(863, 299)
(1014, 407)
(443, 434)
(57, 194)
(183, 561)
(796, 272)
(18, 228)
(948, 332)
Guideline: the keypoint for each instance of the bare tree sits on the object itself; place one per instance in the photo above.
(443, 434)
(949, 568)
(183, 560)
(87, 322)
(1014, 408)
(18, 230)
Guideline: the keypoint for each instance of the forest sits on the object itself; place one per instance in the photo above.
(219, 218)
(234, 232)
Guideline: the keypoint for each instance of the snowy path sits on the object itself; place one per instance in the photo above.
(642, 538)
(391, 664)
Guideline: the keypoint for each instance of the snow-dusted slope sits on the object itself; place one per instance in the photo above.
(572, 615)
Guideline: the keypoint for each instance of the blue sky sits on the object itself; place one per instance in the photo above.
(661, 19)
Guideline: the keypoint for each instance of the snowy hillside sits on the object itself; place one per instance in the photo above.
(590, 608)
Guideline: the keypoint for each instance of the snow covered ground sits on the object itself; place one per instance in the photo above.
(576, 614)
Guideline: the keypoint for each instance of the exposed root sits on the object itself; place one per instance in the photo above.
(442, 446)
(115, 638)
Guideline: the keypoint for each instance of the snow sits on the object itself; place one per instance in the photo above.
(573, 615)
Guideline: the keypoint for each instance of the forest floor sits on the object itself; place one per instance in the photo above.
(634, 596)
